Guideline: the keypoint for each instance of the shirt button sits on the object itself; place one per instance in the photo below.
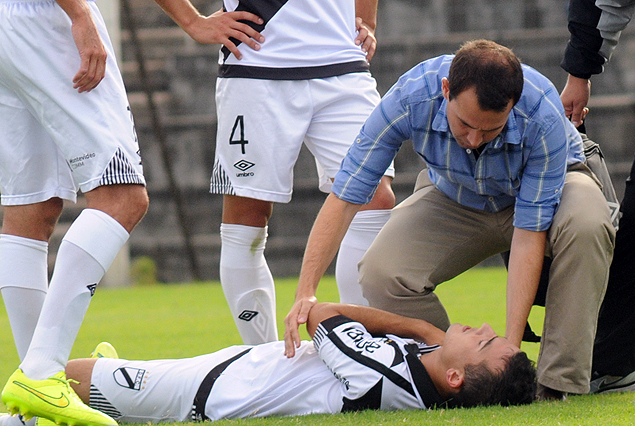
(358, 140)
(478, 181)
(469, 151)
(490, 198)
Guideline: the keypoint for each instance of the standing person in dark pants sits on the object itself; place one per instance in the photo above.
(595, 28)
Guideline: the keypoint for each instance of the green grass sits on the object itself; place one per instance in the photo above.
(168, 321)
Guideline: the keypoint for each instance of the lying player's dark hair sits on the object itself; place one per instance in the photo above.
(492, 70)
(514, 385)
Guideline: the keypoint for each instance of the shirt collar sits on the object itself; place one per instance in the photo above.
(425, 386)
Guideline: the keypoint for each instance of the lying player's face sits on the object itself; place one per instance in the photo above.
(465, 345)
(469, 124)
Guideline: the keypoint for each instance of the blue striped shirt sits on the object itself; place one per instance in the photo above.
(525, 165)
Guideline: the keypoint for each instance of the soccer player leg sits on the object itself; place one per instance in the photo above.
(33, 180)
(85, 253)
(361, 233)
(580, 243)
(247, 282)
(24, 283)
(343, 104)
(24, 265)
(261, 125)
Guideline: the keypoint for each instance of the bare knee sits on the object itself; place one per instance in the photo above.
(36, 221)
(384, 197)
(246, 211)
(127, 204)
(81, 371)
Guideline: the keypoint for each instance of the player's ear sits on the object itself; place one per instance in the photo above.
(454, 378)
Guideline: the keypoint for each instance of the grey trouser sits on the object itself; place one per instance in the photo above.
(430, 239)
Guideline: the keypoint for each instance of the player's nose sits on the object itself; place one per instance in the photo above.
(486, 329)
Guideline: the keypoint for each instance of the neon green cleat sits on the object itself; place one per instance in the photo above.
(41, 421)
(104, 350)
(52, 398)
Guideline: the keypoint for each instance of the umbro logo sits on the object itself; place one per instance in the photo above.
(92, 288)
(243, 165)
(247, 315)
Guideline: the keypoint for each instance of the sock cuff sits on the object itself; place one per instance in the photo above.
(26, 255)
(241, 235)
(370, 219)
(98, 234)
(7, 239)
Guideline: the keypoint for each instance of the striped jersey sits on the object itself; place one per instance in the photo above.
(344, 369)
(303, 39)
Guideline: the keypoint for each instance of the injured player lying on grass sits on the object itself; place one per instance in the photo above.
(355, 362)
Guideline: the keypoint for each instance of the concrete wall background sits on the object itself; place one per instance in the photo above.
(183, 74)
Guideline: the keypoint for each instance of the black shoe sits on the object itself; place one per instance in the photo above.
(613, 384)
(543, 393)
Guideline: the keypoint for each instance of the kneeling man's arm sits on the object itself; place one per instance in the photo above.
(377, 321)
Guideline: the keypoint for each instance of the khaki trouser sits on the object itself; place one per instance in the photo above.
(430, 239)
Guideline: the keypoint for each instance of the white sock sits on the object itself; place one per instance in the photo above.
(23, 282)
(247, 282)
(85, 254)
(361, 233)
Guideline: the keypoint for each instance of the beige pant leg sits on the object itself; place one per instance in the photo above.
(428, 239)
(580, 242)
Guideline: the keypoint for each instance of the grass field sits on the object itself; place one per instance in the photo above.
(168, 321)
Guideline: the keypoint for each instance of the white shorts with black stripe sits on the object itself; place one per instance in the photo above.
(263, 123)
(156, 391)
(54, 140)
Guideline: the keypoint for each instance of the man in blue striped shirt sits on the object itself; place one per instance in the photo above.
(505, 170)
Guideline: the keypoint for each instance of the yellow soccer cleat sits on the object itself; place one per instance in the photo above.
(104, 350)
(53, 399)
(41, 421)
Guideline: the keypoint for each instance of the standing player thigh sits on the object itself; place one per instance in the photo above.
(32, 169)
(88, 128)
(342, 105)
(261, 126)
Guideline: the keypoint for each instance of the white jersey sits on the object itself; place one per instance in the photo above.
(361, 372)
(303, 39)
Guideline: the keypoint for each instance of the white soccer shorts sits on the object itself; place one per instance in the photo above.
(54, 140)
(158, 390)
(263, 123)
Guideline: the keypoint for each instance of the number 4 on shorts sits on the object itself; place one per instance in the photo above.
(239, 123)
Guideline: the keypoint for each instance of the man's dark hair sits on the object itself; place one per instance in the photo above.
(494, 71)
(514, 385)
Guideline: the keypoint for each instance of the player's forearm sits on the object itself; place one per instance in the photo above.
(376, 321)
(367, 10)
(525, 265)
(182, 12)
(75, 9)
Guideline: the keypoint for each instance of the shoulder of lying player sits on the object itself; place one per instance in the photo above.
(385, 367)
